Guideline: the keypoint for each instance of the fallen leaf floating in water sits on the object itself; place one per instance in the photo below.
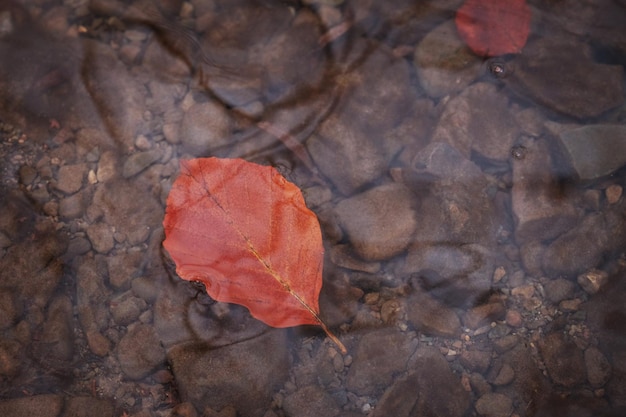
(494, 27)
(245, 232)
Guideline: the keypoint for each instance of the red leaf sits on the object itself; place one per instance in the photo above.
(245, 232)
(494, 27)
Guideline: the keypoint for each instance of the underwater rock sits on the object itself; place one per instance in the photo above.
(540, 210)
(432, 389)
(444, 64)
(595, 150)
(244, 375)
(560, 75)
(379, 222)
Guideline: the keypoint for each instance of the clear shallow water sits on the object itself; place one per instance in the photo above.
(466, 228)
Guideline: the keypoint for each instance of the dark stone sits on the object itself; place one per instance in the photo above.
(431, 390)
(594, 151)
(561, 75)
(244, 375)
(494, 405)
(379, 222)
(140, 351)
(579, 249)
(87, 406)
(48, 405)
(559, 289)
(139, 161)
(432, 317)
(563, 360)
(310, 401)
(540, 210)
(379, 355)
(479, 120)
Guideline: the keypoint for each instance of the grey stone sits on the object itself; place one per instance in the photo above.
(205, 126)
(579, 249)
(586, 89)
(380, 354)
(47, 405)
(494, 405)
(432, 317)
(559, 289)
(126, 308)
(594, 151)
(445, 65)
(139, 161)
(479, 120)
(347, 147)
(379, 222)
(91, 300)
(71, 207)
(456, 274)
(310, 401)
(539, 210)
(430, 390)
(140, 351)
(101, 237)
(122, 267)
(244, 375)
(563, 360)
(70, 178)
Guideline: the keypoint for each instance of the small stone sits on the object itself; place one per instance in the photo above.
(139, 161)
(480, 315)
(513, 318)
(70, 178)
(140, 351)
(71, 207)
(311, 401)
(524, 291)
(613, 193)
(9, 311)
(505, 376)
(570, 305)
(476, 360)
(494, 405)
(593, 280)
(379, 222)
(432, 317)
(595, 150)
(559, 289)
(27, 174)
(563, 359)
(598, 367)
(498, 274)
(107, 166)
(101, 237)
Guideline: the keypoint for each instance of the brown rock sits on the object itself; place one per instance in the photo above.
(243, 375)
(420, 393)
(494, 405)
(48, 405)
(70, 178)
(140, 351)
(379, 222)
(540, 213)
(563, 360)
(379, 355)
(311, 401)
(431, 317)
(598, 367)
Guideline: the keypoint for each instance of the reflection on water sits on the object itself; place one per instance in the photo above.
(472, 209)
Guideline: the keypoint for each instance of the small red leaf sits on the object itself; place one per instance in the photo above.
(494, 27)
(245, 232)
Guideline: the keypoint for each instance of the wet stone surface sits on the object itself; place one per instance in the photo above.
(473, 214)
